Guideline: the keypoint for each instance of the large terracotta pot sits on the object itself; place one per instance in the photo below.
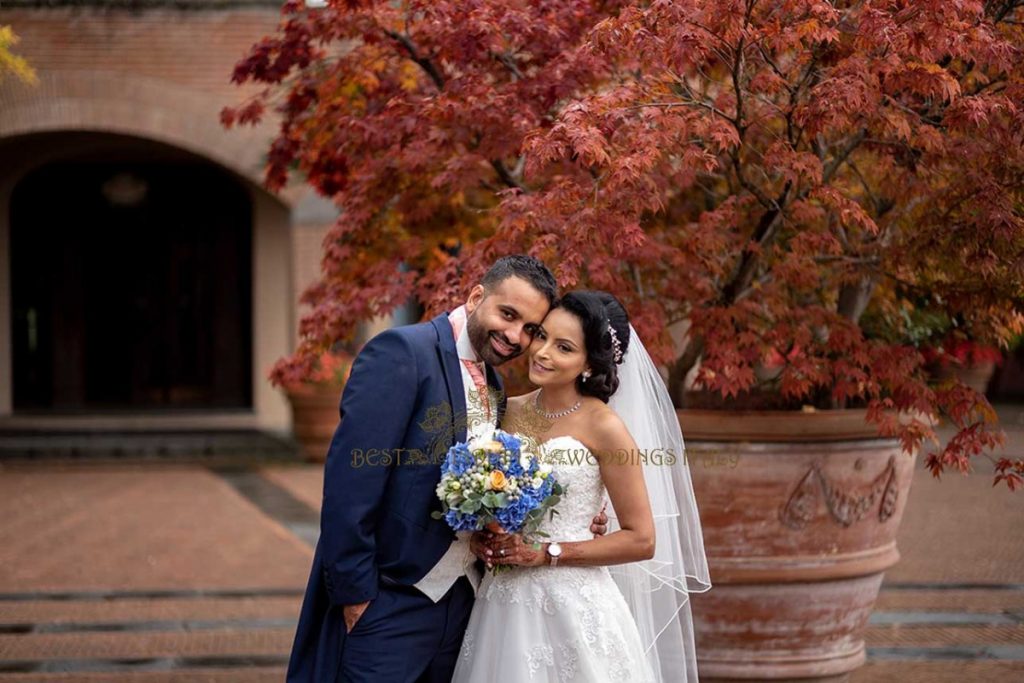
(314, 418)
(799, 513)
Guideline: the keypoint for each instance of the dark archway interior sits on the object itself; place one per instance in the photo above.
(131, 282)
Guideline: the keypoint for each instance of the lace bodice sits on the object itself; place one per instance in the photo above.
(577, 470)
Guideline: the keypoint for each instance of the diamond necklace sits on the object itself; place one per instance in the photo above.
(553, 416)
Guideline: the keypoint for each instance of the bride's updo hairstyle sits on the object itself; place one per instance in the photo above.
(597, 311)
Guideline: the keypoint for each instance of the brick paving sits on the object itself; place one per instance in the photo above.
(141, 527)
(156, 572)
(958, 600)
(108, 568)
(305, 483)
(960, 530)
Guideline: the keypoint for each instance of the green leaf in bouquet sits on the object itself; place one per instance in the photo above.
(437, 514)
(469, 507)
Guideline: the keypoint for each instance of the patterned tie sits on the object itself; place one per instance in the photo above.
(481, 384)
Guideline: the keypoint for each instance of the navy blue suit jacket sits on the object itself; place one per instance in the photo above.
(402, 408)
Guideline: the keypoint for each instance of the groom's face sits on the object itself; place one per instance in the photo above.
(501, 321)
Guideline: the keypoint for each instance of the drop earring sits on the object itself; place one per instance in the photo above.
(586, 376)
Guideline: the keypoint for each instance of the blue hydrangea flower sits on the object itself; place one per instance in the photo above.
(511, 443)
(460, 522)
(458, 461)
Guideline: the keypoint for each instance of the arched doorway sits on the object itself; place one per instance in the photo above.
(131, 282)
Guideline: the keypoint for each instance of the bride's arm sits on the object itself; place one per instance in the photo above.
(623, 476)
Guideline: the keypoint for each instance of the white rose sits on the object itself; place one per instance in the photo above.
(537, 482)
(480, 434)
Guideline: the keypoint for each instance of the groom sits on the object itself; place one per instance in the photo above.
(391, 590)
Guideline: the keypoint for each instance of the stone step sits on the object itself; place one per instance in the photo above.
(928, 635)
(42, 615)
(246, 445)
(67, 651)
(246, 674)
(937, 672)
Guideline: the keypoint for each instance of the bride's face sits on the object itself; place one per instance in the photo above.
(558, 354)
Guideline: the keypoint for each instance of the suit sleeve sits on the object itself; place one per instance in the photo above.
(377, 407)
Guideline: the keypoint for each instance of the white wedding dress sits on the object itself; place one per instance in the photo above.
(554, 624)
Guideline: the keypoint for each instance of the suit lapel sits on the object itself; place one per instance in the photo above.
(452, 369)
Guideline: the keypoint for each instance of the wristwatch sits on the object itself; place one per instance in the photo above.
(554, 552)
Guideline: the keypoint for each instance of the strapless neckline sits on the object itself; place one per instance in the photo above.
(562, 436)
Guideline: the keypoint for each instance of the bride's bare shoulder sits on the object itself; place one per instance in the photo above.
(605, 429)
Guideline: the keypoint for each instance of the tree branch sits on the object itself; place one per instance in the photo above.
(506, 176)
(839, 158)
(763, 234)
(685, 103)
(431, 70)
(414, 55)
(509, 63)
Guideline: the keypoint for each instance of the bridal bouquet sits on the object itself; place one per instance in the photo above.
(492, 482)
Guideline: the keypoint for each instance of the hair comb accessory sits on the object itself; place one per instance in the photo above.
(616, 344)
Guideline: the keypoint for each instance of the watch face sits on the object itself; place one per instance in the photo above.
(554, 550)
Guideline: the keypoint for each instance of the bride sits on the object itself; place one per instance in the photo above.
(575, 607)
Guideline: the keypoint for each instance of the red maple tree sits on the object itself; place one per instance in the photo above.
(779, 180)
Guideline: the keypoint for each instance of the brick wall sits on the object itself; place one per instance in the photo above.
(162, 74)
(190, 48)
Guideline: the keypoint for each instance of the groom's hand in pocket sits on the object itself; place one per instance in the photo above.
(352, 614)
(599, 527)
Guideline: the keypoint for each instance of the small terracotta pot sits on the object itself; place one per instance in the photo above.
(976, 376)
(799, 514)
(315, 417)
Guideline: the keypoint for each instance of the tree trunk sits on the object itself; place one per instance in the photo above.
(854, 298)
(678, 370)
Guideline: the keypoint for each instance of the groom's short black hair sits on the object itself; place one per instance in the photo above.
(528, 268)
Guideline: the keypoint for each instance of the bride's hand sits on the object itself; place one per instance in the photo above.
(599, 527)
(513, 549)
(478, 544)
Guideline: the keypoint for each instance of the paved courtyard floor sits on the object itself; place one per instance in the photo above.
(156, 572)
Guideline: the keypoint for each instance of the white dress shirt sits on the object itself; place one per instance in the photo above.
(459, 559)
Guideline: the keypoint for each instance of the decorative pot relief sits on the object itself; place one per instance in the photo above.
(846, 506)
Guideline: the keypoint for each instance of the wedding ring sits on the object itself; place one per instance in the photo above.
(502, 552)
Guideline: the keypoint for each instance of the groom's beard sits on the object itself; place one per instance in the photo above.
(480, 338)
